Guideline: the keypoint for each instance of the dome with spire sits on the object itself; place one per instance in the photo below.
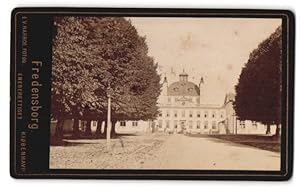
(183, 87)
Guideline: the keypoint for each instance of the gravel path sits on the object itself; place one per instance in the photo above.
(127, 152)
(183, 152)
(162, 151)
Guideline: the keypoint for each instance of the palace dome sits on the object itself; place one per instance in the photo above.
(183, 87)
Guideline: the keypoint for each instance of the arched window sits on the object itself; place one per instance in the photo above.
(175, 113)
(191, 113)
(205, 124)
(205, 114)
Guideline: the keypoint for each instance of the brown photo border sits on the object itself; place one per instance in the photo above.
(288, 24)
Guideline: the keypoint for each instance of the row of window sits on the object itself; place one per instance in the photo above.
(243, 126)
(188, 124)
(190, 114)
(133, 123)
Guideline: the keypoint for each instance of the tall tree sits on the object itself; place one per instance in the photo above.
(92, 53)
(258, 92)
(72, 85)
(130, 72)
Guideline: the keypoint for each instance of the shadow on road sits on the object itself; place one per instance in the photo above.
(84, 139)
(263, 142)
(67, 143)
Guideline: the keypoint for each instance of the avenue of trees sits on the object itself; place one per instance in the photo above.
(92, 54)
(258, 92)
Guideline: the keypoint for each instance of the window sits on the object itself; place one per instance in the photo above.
(160, 114)
(198, 124)
(81, 124)
(94, 123)
(205, 114)
(190, 124)
(214, 126)
(159, 123)
(122, 123)
(191, 113)
(168, 113)
(221, 115)
(242, 124)
(206, 125)
(175, 124)
(198, 113)
(213, 115)
(167, 123)
(254, 124)
(175, 113)
(169, 100)
(182, 113)
(134, 123)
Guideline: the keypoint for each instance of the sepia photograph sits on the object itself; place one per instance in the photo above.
(166, 93)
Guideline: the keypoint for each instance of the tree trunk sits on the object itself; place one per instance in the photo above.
(113, 128)
(59, 129)
(99, 125)
(268, 129)
(105, 129)
(88, 128)
(152, 127)
(75, 128)
(277, 131)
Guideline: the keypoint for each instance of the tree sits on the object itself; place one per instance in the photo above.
(258, 92)
(140, 100)
(92, 53)
(72, 85)
(130, 72)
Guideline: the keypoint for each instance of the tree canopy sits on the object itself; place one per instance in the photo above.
(258, 92)
(91, 54)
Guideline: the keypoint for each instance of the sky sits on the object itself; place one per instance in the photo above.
(213, 48)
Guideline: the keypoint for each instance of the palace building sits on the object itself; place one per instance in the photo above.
(181, 111)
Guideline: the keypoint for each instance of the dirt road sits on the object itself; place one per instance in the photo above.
(161, 151)
(184, 152)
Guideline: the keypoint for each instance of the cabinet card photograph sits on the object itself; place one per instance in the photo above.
(152, 94)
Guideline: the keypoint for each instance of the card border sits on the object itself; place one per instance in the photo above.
(288, 19)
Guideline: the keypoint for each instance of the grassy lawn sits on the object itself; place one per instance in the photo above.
(259, 141)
